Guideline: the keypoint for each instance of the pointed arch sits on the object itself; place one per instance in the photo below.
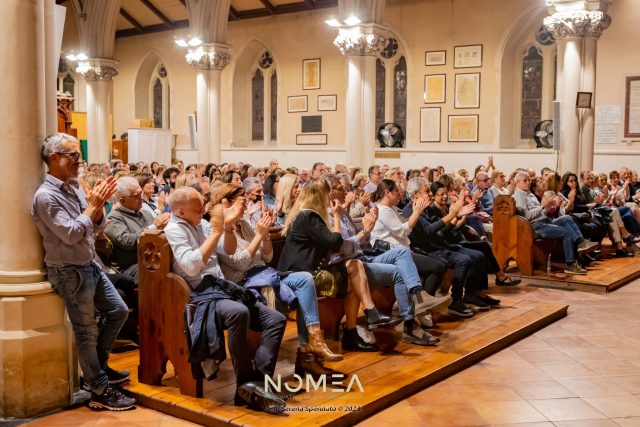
(151, 70)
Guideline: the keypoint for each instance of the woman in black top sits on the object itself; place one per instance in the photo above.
(309, 241)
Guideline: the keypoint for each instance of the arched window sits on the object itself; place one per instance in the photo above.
(391, 87)
(264, 100)
(159, 97)
(257, 106)
(531, 101)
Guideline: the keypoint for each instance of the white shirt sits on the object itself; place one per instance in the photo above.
(185, 242)
(391, 227)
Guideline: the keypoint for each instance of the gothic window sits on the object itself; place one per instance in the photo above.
(380, 93)
(68, 84)
(157, 103)
(257, 106)
(531, 103)
(400, 94)
(390, 48)
(274, 106)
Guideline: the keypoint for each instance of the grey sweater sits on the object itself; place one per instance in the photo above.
(527, 203)
(124, 226)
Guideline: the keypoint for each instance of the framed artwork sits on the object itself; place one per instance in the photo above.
(327, 102)
(435, 57)
(467, 91)
(311, 73)
(584, 100)
(469, 56)
(430, 124)
(435, 88)
(632, 107)
(463, 128)
(297, 104)
(314, 139)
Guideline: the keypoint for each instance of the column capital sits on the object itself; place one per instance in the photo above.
(97, 69)
(361, 40)
(577, 23)
(209, 56)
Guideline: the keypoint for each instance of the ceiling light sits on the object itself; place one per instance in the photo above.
(195, 42)
(81, 57)
(352, 20)
(333, 22)
(71, 57)
(181, 43)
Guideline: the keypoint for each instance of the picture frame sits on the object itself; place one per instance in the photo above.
(430, 124)
(583, 100)
(632, 107)
(297, 104)
(467, 90)
(435, 57)
(435, 88)
(327, 102)
(311, 74)
(463, 128)
(311, 139)
(467, 56)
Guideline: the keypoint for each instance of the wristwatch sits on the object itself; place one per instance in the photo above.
(367, 233)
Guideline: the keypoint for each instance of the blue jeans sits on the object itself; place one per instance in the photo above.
(386, 274)
(563, 228)
(84, 290)
(301, 283)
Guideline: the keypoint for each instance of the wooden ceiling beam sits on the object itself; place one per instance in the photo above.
(267, 4)
(151, 29)
(157, 12)
(309, 3)
(233, 13)
(132, 20)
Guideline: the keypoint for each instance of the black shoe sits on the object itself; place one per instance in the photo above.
(353, 342)
(489, 300)
(414, 334)
(508, 281)
(630, 240)
(375, 319)
(256, 397)
(111, 399)
(457, 308)
(115, 378)
(621, 253)
(475, 301)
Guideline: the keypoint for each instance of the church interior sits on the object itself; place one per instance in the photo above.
(524, 89)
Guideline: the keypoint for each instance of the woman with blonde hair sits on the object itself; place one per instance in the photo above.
(286, 195)
(309, 241)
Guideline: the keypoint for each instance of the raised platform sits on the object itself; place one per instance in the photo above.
(602, 277)
(385, 378)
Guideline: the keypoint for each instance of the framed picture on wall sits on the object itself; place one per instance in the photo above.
(467, 91)
(632, 107)
(430, 124)
(463, 128)
(435, 57)
(297, 104)
(327, 102)
(311, 73)
(311, 139)
(435, 88)
(584, 100)
(469, 56)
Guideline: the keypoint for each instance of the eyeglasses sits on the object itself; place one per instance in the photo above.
(75, 155)
(339, 188)
(134, 196)
(483, 180)
(441, 194)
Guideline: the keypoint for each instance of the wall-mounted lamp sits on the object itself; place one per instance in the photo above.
(333, 22)
(352, 20)
(78, 57)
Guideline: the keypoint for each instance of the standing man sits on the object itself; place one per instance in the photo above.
(68, 221)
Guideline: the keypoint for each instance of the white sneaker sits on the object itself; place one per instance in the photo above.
(426, 321)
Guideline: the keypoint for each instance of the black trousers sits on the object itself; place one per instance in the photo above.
(490, 261)
(237, 319)
(433, 268)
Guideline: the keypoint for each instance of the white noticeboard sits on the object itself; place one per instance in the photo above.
(608, 115)
(605, 134)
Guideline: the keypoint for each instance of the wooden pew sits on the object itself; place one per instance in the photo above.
(162, 296)
(514, 239)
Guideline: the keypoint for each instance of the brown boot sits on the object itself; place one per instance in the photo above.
(307, 363)
(319, 348)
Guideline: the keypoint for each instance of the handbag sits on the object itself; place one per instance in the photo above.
(259, 276)
(330, 280)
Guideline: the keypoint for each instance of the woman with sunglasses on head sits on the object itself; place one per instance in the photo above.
(286, 195)
(309, 241)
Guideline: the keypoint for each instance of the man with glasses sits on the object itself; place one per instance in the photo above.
(375, 176)
(303, 175)
(68, 221)
(125, 224)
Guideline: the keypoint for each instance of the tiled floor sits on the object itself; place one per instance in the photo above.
(583, 370)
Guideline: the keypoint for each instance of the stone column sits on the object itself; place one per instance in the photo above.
(576, 26)
(98, 74)
(209, 60)
(360, 44)
(34, 374)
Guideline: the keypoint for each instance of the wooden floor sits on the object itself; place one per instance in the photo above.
(603, 276)
(385, 378)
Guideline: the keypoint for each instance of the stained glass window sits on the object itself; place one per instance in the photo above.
(157, 103)
(531, 107)
(257, 106)
(274, 106)
(380, 93)
(400, 94)
(68, 84)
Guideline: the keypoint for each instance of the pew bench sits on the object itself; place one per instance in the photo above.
(514, 239)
